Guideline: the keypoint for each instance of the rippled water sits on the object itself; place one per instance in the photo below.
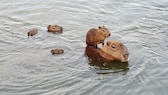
(28, 68)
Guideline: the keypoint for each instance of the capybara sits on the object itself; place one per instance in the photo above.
(99, 58)
(55, 28)
(96, 36)
(32, 32)
(57, 51)
(116, 49)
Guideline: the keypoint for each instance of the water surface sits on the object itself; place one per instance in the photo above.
(28, 68)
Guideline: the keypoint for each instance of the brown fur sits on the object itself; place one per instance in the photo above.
(55, 28)
(32, 32)
(57, 51)
(97, 36)
(116, 49)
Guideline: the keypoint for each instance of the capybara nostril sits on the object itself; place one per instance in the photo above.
(126, 57)
(109, 35)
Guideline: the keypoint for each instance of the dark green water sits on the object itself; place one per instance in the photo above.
(28, 68)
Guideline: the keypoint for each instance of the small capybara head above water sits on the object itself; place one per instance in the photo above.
(116, 49)
(57, 51)
(104, 31)
(55, 28)
(32, 32)
(96, 36)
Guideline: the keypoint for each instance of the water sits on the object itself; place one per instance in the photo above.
(28, 68)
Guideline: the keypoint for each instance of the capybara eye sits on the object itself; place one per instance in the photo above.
(113, 46)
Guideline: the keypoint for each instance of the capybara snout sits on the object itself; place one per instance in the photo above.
(124, 52)
(109, 35)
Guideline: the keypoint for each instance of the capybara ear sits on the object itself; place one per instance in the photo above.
(48, 26)
(108, 43)
(61, 29)
(99, 27)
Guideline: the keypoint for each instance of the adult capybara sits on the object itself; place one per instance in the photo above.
(117, 50)
(32, 32)
(55, 28)
(57, 51)
(111, 52)
(96, 36)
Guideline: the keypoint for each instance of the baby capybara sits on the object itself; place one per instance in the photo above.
(32, 32)
(96, 36)
(57, 51)
(55, 28)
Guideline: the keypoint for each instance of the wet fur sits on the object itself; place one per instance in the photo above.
(32, 32)
(55, 28)
(116, 49)
(57, 51)
(96, 36)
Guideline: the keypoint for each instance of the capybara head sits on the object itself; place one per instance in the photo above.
(55, 28)
(57, 51)
(32, 32)
(104, 31)
(117, 50)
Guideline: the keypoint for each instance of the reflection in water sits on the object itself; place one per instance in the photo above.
(113, 67)
(107, 66)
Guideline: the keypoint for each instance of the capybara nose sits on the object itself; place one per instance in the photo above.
(109, 35)
(126, 57)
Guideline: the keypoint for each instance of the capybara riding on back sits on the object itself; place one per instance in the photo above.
(96, 36)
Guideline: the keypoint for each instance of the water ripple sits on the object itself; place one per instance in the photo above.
(28, 67)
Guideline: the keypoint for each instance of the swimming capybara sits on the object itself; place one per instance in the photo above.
(32, 32)
(55, 28)
(57, 51)
(111, 52)
(96, 36)
(97, 57)
(117, 50)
